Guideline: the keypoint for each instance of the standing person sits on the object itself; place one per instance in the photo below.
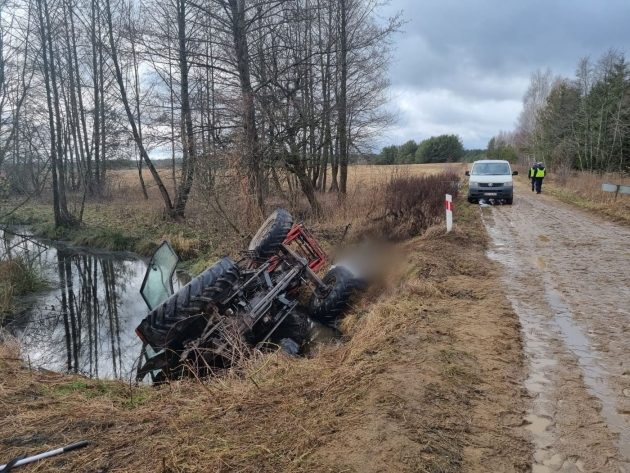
(539, 175)
(532, 172)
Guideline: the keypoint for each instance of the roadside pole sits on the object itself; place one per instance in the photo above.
(449, 212)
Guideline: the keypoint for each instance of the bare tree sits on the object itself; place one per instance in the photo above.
(130, 117)
(284, 92)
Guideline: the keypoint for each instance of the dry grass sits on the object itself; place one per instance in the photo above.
(364, 176)
(584, 189)
(124, 220)
(411, 204)
(124, 184)
(427, 381)
(18, 277)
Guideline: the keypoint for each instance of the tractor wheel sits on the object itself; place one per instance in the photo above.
(271, 234)
(343, 286)
(181, 316)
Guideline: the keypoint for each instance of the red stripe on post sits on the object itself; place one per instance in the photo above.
(449, 205)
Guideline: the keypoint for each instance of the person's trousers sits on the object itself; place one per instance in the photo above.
(533, 182)
(538, 184)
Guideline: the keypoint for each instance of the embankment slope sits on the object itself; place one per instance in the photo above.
(428, 379)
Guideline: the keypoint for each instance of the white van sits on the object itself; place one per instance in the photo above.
(491, 179)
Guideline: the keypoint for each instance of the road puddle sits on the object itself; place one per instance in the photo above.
(593, 373)
(568, 371)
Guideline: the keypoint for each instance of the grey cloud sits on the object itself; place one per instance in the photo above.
(508, 36)
(483, 51)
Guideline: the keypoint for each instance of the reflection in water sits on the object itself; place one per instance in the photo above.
(85, 323)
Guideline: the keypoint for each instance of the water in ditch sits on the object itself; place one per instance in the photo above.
(84, 321)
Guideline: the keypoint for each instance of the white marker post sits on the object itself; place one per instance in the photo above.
(449, 212)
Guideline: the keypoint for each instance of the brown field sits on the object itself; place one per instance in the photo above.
(123, 219)
(125, 183)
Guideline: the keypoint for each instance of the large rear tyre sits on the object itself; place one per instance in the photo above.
(181, 316)
(329, 307)
(271, 234)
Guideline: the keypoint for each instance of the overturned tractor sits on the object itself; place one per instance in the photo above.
(234, 307)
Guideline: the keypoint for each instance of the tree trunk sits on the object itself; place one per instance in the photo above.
(132, 34)
(188, 139)
(342, 99)
(334, 166)
(132, 122)
(250, 134)
(95, 18)
(62, 217)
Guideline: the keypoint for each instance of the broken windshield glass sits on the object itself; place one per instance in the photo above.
(157, 285)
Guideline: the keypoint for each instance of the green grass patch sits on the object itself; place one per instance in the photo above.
(112, 228)
(106, 238)
(112, 391)
(96, 237)
(465, 212)
(89, 388)
(19, 277)
(137, 398)
(28, 214)
(200, 264)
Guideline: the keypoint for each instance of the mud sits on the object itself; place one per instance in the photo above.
(567, 275)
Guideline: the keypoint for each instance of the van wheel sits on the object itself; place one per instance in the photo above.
(471, 200)
(509, 201)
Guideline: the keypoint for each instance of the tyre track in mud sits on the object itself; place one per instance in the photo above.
(567, 275)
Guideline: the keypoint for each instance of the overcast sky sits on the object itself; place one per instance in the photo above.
(462, 66)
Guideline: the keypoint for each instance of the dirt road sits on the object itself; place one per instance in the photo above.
(567, 275)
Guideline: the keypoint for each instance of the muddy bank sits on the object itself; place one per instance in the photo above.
(567, 275)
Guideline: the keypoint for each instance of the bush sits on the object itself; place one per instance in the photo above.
(411, 204)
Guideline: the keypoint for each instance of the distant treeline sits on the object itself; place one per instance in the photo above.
(437, 149)
(500, 148)
(581, 122)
